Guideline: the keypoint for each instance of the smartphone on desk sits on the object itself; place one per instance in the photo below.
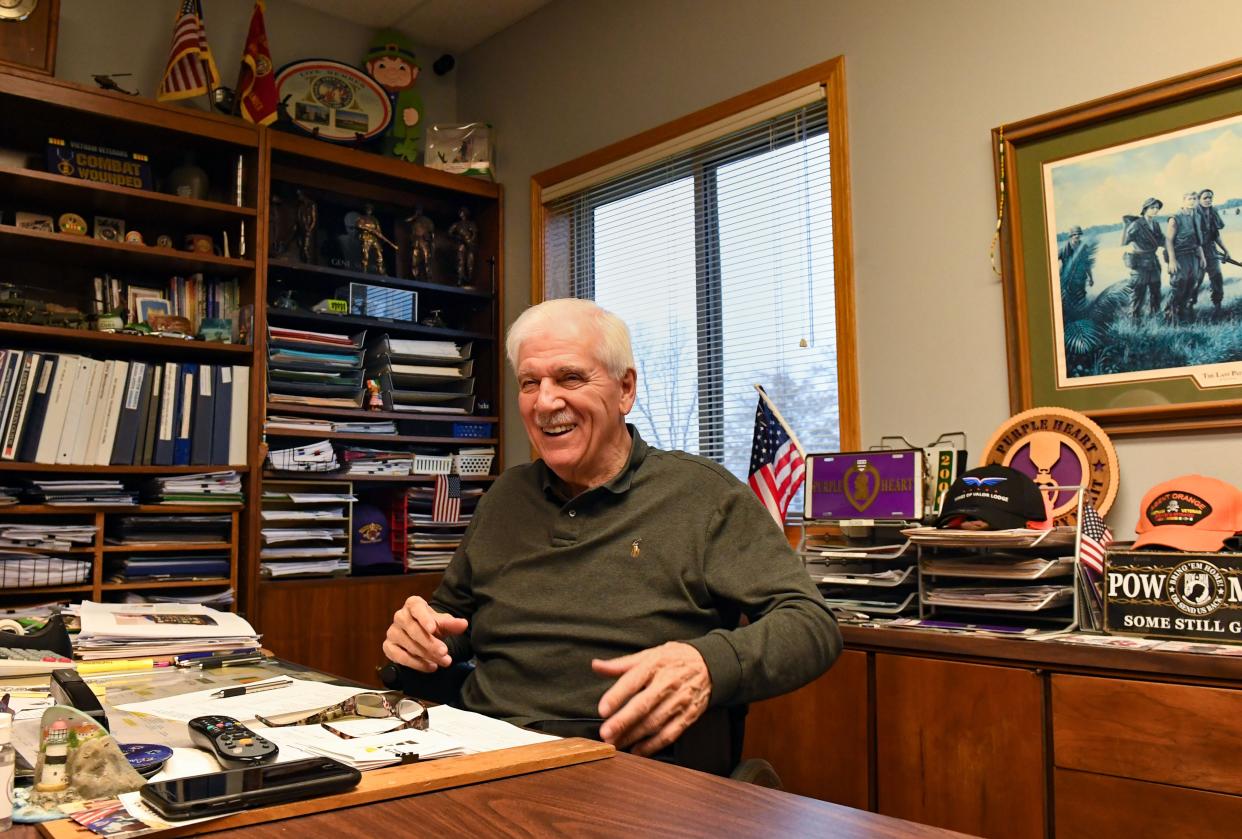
(253, 786)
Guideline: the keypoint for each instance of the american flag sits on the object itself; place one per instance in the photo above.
(1095, 539)
(191, 69)
(447, 504)
(776, 464)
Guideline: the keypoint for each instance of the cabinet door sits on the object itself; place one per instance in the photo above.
(960, 746)
(336, 626)
(816, 737)
(1101, 807)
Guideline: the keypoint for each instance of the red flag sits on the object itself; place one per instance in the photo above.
(256, 85)
(191, 70)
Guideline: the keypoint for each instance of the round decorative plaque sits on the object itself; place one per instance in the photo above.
(333, 101)
(1059, 448)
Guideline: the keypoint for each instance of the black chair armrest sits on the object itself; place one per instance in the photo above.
(442, 686)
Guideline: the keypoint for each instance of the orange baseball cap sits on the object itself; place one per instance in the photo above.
(1190, 513)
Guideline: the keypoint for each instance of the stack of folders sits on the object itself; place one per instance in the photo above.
(215, 598)
(315, 457)
(71, 409)
(304, 533)
(367, 461)
(75, 492)
(430, 544)
(429, 377)
(181, 542)
(24, 569)
(144, 630)
(204, 488)
(46, 535)
(324, 426)
(321, 369)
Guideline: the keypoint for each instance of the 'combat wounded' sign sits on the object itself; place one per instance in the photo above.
(1172, 594)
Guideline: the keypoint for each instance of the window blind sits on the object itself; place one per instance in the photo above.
(720, 258)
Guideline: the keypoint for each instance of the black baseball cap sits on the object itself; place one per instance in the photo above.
(1003, 497)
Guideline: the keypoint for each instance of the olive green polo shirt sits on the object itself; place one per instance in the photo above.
(674, 548)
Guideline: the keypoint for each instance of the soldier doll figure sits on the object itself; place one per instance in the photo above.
(369, 236)
(422, 241)
(308, 221)
(1144, 236)
(465, 233)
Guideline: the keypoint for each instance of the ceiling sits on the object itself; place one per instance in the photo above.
(450, 24)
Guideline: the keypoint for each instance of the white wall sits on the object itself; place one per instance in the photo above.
(133, 36)
(926, 83)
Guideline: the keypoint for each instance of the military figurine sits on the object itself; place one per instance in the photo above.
(369, 237)
(308, 221)
(422, 241)
(1144, 236)
(465, 233)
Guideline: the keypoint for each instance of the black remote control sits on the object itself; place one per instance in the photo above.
(232, 743)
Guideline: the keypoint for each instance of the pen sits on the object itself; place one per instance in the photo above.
(231, 662)
(242, 690)
(186, 659)
(214, 659)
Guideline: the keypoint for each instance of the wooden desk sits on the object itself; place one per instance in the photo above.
(623, 796)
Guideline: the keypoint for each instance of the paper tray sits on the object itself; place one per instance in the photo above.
(1052, 601)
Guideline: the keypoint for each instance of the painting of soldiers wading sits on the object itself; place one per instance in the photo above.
(1141, 240)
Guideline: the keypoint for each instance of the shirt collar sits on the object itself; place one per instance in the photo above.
(619, 483)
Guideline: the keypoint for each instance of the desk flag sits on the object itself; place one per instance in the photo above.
(776, 464)
(447, 504)
(191, 69)
(1095, 537)
(256, 84)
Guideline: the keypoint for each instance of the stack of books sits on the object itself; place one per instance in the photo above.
(58, 408)
(204, 488)
(145, 630)
(430, 377)
(321, 369)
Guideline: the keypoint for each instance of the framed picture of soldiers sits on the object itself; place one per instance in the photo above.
(1121, 253)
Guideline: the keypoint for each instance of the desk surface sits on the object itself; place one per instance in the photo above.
(623, 796)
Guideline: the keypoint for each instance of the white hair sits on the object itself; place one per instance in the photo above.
(564, 314)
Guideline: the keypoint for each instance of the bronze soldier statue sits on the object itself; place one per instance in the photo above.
(369, 236)
(308, 221)
(422, 241)
(466, 234)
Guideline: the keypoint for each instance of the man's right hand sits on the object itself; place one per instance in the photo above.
(414, 637)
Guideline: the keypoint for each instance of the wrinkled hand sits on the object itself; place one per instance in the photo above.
(414, 637)
(659, 692)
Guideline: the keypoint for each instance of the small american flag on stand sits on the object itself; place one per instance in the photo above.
(446, 506)
(776, 464)
(191, 69)
(1095, 538)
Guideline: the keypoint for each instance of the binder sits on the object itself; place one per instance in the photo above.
(222, 420)
(204, 416)
(91, 401)
(12, 372)
(131, 415)
(184, 414)
(63, 384)
(21, 404)
(28, 449)
(79, 405)
(99, 450)
(239, 416)
(167, 427)
(150, 430)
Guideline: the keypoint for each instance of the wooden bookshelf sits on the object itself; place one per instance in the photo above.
(41, 246)
(304, 270)
(378, 438)
(320, 322)
(90, 341)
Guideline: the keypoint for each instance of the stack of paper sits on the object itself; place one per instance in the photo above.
(204, 488)
(45, 535)
(84, 492)
(422, 376)
(217, 599)
(20, 569)
(316, 457)
(140, 630)
(314, 368)
(304, 533)
(364, 461)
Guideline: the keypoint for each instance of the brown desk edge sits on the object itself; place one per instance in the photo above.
(1067, 658)
(394, 782)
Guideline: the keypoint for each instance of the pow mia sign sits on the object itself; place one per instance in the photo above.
(1173, 594)
(1058, 447)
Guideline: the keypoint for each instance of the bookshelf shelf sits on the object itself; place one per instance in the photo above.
(328, 273)
(367, 479)
(381, 438)
(87, 340)
(48, 590)
(37, 468)
(362, 413)
(151, 547)
(194, 583)
(40, 246)
(314, 320)
(87, 509)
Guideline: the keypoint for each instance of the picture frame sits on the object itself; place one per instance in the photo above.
(150, 306)
(1074, 336)
(136, 296)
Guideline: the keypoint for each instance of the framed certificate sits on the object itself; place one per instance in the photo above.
(333, 101)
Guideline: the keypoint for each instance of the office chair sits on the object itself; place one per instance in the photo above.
(713, 744)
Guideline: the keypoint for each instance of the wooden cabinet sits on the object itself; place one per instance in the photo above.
(960, 746)
(831, 712)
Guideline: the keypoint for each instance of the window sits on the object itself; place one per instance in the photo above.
(718, 250)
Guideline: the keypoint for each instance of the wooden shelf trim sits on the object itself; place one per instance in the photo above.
(150, 547)
(284, 266)
(144, 255)
(91, 509)
(50, 185)
(362, 413)
(14, 466)
(107, 340)
(380, 438)
(206, 581)
(366, 479)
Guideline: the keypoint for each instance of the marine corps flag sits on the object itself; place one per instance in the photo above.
(256, 85)
(191, 70)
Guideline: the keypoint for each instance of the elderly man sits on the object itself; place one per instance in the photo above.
(607, 578)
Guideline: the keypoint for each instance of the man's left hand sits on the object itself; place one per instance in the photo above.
(659, 692)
